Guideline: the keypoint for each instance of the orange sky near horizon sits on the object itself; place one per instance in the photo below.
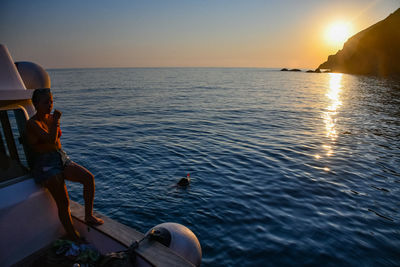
(180, 34)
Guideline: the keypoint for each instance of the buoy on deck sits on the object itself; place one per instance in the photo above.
(178, 238)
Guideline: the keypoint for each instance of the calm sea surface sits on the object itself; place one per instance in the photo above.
(287, 168)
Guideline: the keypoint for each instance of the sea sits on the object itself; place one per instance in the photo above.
(287, 168)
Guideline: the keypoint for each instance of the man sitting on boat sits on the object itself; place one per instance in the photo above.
(52, 165)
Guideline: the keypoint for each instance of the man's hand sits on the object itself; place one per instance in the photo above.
(57, 115)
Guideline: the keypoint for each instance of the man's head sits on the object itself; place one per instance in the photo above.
(42, 99)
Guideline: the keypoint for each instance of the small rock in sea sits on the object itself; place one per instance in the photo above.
(294, 70)
(317, 70)
(284, 69)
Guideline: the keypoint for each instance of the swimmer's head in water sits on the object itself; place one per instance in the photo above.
(42, 99)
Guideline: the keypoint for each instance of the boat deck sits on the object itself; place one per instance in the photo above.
(153, 253)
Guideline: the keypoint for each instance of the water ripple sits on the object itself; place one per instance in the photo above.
(287, 168)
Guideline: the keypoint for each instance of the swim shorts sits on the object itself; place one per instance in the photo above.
(50, 164)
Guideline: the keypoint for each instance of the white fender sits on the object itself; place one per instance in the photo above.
(178, 238)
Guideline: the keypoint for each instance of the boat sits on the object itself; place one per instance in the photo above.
(29, 223)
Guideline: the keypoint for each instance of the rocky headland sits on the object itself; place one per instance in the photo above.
(373, 51)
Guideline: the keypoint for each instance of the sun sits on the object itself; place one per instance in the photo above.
(337, 33)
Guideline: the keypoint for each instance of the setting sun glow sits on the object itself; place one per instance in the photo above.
(338, 33)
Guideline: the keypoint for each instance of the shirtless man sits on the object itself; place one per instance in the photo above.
(52, 165)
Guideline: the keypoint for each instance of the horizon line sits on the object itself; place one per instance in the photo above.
(176, 67)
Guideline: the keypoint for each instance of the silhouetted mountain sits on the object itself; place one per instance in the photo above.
(373, 51)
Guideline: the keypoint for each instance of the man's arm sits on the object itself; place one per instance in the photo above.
(36, 133)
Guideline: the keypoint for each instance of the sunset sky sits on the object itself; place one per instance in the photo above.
(186, 33)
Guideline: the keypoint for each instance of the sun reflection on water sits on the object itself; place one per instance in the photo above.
(329, 115)
(334, 96)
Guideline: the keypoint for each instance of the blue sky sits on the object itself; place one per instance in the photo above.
(153, 33)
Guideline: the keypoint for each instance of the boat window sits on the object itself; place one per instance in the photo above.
(13, 162)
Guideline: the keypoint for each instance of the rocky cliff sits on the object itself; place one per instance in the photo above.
(373, 51)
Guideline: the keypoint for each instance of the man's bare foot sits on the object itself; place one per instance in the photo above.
(92, 220)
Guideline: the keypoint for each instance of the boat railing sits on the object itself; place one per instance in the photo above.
(15, 154)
